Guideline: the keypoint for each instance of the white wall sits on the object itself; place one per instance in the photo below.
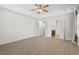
(66, 23)
(14, 26)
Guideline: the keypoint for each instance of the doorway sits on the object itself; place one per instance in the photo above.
(42, 27)
(60, 29)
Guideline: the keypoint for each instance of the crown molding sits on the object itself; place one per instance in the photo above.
(18, 10)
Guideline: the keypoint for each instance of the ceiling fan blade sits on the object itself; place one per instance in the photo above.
(40, 5)
(38, 12)
(46, 6)
(33, 9)
(45, 10)
(36, 5)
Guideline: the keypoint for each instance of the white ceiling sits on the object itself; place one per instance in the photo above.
(53, 9)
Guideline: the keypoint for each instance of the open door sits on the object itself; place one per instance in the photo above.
(60, 29)
(41, 25)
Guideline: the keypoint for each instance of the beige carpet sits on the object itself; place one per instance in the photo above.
(39, 46)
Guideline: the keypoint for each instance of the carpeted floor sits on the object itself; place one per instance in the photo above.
(40, 46)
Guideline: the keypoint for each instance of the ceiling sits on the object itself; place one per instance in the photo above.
(53, 9)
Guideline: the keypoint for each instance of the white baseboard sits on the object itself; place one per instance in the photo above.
(6, 42)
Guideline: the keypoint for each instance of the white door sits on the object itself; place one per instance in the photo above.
(41, 25)
(60, 28)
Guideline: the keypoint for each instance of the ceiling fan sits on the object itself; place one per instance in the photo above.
(40, 8)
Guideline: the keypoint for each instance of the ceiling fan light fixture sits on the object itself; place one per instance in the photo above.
(41, 8)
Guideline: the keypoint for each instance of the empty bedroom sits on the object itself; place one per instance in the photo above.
(39, 29)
